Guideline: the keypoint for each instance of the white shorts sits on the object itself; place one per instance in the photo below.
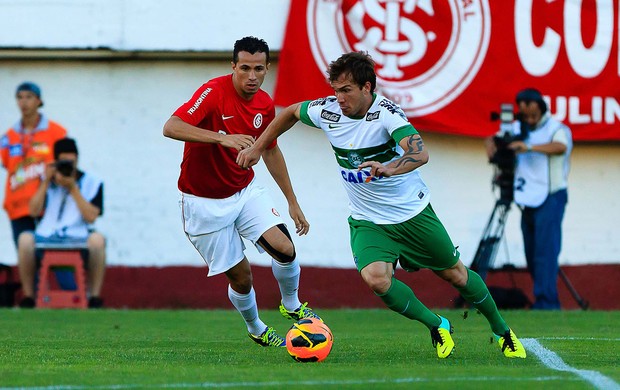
(215, 226)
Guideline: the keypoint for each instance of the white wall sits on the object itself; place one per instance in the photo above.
(116, 111)
(127, 25)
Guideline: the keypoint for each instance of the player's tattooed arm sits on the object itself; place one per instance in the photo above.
(415, 155)
(414, 152)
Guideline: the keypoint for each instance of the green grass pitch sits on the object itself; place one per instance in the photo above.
(373, 349)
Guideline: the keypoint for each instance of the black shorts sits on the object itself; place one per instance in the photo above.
(20, 225)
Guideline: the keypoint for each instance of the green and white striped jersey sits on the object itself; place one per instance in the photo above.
(374, 137)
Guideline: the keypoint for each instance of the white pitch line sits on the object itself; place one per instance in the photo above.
(580, 338)
(554, 362)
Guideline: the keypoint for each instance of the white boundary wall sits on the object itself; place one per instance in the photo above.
(116, 109)
(177, 25)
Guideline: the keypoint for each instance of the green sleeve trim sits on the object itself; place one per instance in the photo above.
(304, 117)
(402, 132)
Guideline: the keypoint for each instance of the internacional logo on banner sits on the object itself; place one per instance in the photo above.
(450, 63)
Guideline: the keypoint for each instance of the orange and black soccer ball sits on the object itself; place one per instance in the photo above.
(309, 340)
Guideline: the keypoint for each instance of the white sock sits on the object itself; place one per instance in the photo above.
(247, 307)
(287, 275)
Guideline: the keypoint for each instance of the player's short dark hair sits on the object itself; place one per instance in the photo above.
(359, 65)
(529, 95)
(252, 45)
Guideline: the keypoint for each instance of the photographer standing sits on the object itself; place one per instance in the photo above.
(70, 201)
(540, 189)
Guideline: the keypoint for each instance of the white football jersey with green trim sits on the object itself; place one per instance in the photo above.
(384, 200)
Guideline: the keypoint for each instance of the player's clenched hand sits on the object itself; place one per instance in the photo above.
(301, 224)
(237, 141)
(376, 169)
(248, 157)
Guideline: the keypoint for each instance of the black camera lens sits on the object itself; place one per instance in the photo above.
(65, 167)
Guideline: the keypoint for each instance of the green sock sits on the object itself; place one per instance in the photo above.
(477, 293)
(401, 299)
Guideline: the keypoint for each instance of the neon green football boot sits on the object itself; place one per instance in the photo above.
(442, 339)
(510, 345)
(269, 338)
(302, 311)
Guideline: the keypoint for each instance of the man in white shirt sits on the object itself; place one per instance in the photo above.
(540, 190)
(71, 201)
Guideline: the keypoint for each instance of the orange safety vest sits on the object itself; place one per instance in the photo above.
(25, 157)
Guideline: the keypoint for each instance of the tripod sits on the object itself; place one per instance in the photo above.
(491, 237)
(489, 243)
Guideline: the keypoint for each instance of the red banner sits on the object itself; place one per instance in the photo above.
(451, 63)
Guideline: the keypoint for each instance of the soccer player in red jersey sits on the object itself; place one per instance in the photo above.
(220, 201)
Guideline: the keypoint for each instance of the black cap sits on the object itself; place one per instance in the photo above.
(532, 95)
(65, 145)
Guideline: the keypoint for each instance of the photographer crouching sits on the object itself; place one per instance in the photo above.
(542, 146)
(71, 201)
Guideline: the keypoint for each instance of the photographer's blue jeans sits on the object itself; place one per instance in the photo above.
(542, 239)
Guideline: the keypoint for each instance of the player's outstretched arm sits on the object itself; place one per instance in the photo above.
(274, 161)
(280, 124)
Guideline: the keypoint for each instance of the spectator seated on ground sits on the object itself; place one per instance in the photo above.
(71, 201)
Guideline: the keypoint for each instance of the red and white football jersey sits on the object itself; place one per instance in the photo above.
(210, 170)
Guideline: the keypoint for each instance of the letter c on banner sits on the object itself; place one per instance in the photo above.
(537, 61)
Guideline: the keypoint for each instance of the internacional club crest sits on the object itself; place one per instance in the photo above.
(427, 51)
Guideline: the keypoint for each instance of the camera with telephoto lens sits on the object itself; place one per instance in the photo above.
(65, 167)
(505, 158)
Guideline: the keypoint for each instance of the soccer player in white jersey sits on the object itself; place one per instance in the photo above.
(392, 221)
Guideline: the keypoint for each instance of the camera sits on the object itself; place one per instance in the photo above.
(505, 158)
(65, 167)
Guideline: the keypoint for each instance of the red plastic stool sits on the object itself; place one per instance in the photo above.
(48, 295)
